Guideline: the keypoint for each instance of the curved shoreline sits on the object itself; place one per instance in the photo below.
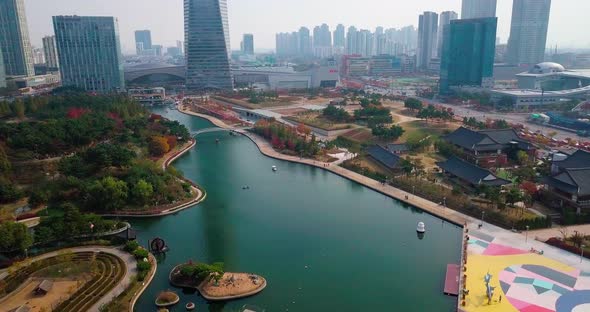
(201, 194)
(427, 206)
(146, 283)
(199, 288)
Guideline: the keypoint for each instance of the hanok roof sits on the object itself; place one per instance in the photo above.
(397, 148)
(471, 173)
(579, 159)
(573, 181)
(487, 140)
(383, 156)
(45, 286)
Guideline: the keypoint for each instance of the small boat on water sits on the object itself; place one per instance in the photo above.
(421, 227)
(274, 168)
(190, 306)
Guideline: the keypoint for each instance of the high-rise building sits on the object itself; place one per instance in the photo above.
(143, 41)
(351, 41)
(50, 51)
(38, 56)
(468, 53)
(180, 46)
(528, 31)
(427, 37)
(206, 31)
(445, 19)
(2, 72)
(339, 39)
(478, 8)
(322, 41)
(248, 44)
(304, 42)
(14, 39)
(89, 52)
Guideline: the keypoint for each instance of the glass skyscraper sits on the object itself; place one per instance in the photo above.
(469, 46)
(14, 39)
(478, 8)
(528, 31)
(89, 52)
(143, 41)
(207, 48)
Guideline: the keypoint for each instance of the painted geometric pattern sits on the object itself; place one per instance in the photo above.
(536, 288)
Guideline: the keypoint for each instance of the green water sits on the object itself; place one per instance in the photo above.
(323, 243)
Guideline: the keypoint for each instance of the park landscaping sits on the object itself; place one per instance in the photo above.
(213, 283)
(91, 276)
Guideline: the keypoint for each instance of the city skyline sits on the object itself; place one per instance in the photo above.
(565, 16)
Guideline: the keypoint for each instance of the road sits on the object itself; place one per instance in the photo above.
(515, 118)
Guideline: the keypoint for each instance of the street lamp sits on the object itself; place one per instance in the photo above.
(582, 254)
(482, 215)
(444, 201)
(527, 234)
(414, 189)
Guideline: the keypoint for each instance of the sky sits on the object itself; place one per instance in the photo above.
(568, 22)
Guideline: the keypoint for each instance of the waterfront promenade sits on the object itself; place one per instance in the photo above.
(477, 260)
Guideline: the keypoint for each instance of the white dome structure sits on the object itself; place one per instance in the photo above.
(547, 68)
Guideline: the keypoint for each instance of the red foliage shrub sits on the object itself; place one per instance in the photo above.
(76, 112)
(172, 141)
(556, 242)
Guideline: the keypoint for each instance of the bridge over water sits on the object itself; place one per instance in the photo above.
(216, 129)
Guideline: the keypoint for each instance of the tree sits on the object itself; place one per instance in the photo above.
(108, 194)
(522, 157)
(364, 102)
(514, 195)
(393, 133)
(413, 104)
(336, 114)
(8, 191)
(158, 146)
(142, 192)
(5, 165)
(15, 236)
(418, 142)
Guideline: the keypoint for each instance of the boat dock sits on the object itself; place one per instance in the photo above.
(452, 280)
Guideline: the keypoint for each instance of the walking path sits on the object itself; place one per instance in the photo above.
(545, 234)
(128, 259)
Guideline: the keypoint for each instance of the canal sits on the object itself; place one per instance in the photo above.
(323, 243)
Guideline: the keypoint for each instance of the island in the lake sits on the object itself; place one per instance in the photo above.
(213, 283)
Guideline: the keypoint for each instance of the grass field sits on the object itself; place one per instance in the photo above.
(314, 119)
(427, 128)
(360, 135)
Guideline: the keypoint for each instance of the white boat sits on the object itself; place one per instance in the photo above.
(421, 227)
(274, 168)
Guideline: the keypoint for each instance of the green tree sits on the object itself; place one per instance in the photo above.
(522, 158)
(413, 104)
(15, 236)
(115, 192)
(5, 165)
(514, 195)
(392, 133)
(142, 192)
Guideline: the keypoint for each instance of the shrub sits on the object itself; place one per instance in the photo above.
(143, 265)
(140, 253)
(131, 246)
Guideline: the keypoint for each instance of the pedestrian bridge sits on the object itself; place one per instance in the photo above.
(214, 129)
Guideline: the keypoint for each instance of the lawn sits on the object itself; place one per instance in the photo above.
(422, 127)
(360, 135)
(314, 119)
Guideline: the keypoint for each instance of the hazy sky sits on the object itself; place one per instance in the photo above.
(568, 25)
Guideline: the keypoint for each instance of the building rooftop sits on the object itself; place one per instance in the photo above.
(383, 156)
(573, 181)
(471, 173)
(397, 148)
(579, 159)
(486, 140)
